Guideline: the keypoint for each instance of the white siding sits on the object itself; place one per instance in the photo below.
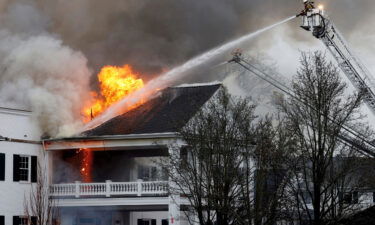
(15, 124)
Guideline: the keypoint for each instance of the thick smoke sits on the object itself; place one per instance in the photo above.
(40, 73)
(153, 36)
(157, 35)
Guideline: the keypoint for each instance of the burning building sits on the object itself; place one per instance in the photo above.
(110, 174)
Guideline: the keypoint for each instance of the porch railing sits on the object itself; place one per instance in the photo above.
(109, 188)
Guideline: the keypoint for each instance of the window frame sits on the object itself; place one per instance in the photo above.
(28, 169)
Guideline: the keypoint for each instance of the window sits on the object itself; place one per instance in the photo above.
(350, 197)
(147, 173)
(23, 220)
(2, 220)
(164, 222)
(24, 168)
(146, 222)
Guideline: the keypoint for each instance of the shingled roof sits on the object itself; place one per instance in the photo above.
(168, 112)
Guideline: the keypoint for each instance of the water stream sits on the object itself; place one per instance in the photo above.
(173, 75)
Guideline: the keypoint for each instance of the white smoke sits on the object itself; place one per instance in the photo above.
(40, 73)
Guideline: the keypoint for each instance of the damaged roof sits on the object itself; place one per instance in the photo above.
(169, 111)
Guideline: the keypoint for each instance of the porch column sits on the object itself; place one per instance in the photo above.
(174, 195)
(174, 210)
(46, 163)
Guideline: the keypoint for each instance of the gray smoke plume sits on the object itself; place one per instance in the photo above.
(40, 73)
(153, 36)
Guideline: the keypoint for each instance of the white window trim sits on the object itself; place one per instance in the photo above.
(28, 181)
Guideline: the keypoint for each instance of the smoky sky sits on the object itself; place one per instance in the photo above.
(155, 35)
(51, 49)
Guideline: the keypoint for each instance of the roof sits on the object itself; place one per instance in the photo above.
(365, 217)
(15, 111)
(360, 170)
(169, 111)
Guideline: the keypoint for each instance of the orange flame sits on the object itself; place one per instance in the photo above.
(115, 84)
(86, 164)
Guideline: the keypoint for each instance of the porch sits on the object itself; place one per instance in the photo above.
(112, 174)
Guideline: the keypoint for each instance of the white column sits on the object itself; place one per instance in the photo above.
(174, 196)
(174, 209)
(47, 165)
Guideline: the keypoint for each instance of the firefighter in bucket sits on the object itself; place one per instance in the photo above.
(309, 6)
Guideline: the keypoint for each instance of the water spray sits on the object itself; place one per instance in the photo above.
(175, 74)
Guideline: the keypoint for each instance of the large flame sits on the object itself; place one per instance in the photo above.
(115, 84)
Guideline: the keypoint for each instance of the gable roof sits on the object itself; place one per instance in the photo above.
(169, 111)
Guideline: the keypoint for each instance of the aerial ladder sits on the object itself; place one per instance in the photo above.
(314, 20)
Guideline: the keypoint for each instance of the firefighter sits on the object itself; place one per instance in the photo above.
(309, 5)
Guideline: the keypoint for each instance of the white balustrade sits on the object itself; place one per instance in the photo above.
(109, 188)
(158, 187)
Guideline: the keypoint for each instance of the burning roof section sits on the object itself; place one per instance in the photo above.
(169, 111)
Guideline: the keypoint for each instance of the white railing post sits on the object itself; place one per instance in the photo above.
(139, 193)
(77, 188)
(108, 188)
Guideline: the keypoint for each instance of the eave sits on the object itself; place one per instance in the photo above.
(113, 142)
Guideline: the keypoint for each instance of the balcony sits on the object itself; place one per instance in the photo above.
(109, 189)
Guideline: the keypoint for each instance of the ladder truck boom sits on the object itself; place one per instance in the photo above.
(347, 136)
(315, 21)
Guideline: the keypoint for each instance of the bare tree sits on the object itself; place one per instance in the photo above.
(273, 146)
(38, 204)
(316, 117)
(208, 173)
(221, 162)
